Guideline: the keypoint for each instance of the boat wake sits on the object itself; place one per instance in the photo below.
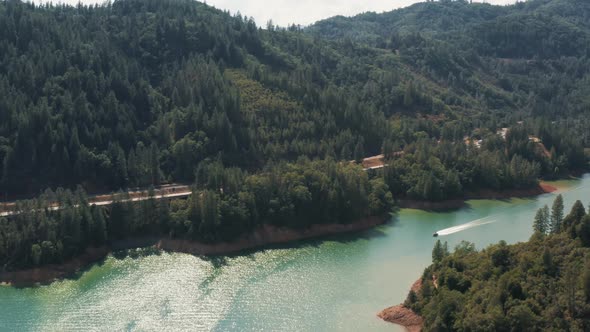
(491, 219)
(460, 228)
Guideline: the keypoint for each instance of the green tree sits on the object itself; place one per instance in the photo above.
(380, 199)
(100, 232)
(409, 95)
(186, 153)
(541, 223)
(583, 230)
(548, 263)
(522, 318)
(411, 299)
(570, 280)
(557, 214)
(36, 254)
(437, 252)
(501, 256)
(586, 283)
(575, 216)
(359, 152)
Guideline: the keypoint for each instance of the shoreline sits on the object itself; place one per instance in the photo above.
(406, 317)
(263, 236)
(53, 272)
(266, 235)
(457, 203)
(402, 316)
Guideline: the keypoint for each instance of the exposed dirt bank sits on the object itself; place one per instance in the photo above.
(452, 204)
(265, 235)
(403, 316)
(50, 273)
(542, 188)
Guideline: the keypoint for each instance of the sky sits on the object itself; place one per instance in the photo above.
(304, 12)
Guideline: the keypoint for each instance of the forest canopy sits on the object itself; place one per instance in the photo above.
(543, 284)
(228, 204)
(268, 125)
(141, 92)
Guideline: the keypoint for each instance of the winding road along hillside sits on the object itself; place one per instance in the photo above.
(166, 191)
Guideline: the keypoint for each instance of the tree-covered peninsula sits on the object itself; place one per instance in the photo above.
(540, 285)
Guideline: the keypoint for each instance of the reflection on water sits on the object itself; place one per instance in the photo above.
(339, 283)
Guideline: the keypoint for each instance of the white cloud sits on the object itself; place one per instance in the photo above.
(304, 12)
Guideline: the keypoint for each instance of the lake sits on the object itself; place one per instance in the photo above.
(337, 283)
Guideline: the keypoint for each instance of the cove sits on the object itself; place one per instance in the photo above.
(337, 283)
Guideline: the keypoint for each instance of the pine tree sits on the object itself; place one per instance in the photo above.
(100, 226)
(345, 152)
(411, 299)
(359, 152)
(409, 95)
(557, 214)
(548, 264)
(583, 230)
(446, 249)
(437, 252)
(132, 168)
(121, 174)
(576, 214)
(36, 254)
(154, 164)
(546, 214)
(541, 223)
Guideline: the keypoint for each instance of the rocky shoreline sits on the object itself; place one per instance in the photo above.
(403, 316)
(263, 236)
(266, 235)
(49, 273)
(452, 204)
(406, 317)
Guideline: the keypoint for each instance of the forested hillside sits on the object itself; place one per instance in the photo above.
(530, 59)
(288, 195)
(540, 285)
(265, 123)
(141, 92)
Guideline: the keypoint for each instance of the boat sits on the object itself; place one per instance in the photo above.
(435, 234)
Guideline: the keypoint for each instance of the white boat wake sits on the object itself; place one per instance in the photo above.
(471, 224)
(490, 219)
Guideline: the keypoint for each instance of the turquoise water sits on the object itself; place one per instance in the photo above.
(339, 283)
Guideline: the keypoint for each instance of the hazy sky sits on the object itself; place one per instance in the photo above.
(284, 12)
